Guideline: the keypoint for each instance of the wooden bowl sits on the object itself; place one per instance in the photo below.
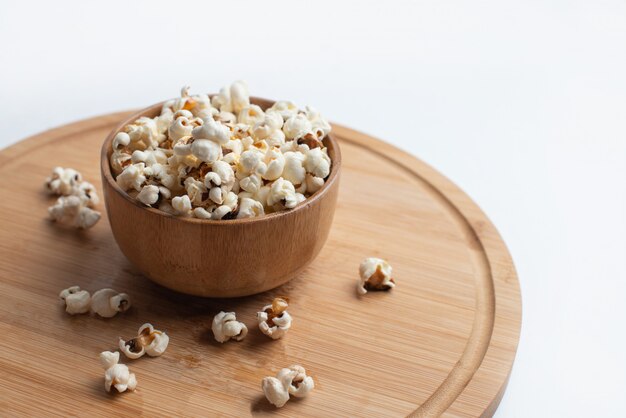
(219, 258)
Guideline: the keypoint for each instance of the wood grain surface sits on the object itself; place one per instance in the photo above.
(441, 343)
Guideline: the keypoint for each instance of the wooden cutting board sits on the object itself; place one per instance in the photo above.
(442, 342)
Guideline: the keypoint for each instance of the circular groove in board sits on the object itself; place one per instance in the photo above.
(442, 342)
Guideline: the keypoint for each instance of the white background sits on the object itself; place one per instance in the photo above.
(523, 104)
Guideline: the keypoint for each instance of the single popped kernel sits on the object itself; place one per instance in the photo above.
(77, 301)
(296, 381)
(275, 391)
(148, 195)
(375, 274)
(225, 327)
(116, 375)
(290, 381)
(72, 211)
(149, 341)
(107, 302)
(274, 320)
(62, 181)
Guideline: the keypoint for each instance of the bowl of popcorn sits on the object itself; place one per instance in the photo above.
(221, 195)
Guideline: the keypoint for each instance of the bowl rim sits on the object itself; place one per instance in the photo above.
(107, 175)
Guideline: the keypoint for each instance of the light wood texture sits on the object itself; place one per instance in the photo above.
(226, 258)
(442, 342)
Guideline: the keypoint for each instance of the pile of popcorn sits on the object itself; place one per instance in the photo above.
(222, 157)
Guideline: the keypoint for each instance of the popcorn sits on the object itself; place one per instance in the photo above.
(72, 211)
(294, 170)
(213, 131)
(195, 190)
(275, 391)
(87, 194)
(76, 301)
(77, 200)
(116, 375)
(221, 100)
(285, 109)
(148, 341)
(148, 195)
(319, 126)
(251, 115)
(249, 161)
(239, 96)
(181, 204)
(283, 194)
(62, 181)
(200, 105)
(317, 163)
(251, 184)
(289, 381)
(107, 302)
(271, 123)
(221, 212)
(310, 140)
(274, 320)
(121, 141)
(375, 274)
(225, 327)
(227, 118)
(297, 126)
(132, 177)
(149, 157)
(296, 381)
(202, 213)
(143, 133)
(276, 139)
(221, 157)
(313, 183)
(273, 165)
(250, 208)
(216, 195)
(225, 173)
(181, 127)
(206, 150)
(119, 160)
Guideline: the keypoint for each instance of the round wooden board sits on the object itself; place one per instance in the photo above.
(442, 342)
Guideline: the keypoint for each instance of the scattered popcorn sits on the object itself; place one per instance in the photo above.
(274, 320)
(116, 375)
(87, 194)
(77, 199)
(107, 302)
(296, 381)
(220, 157)
(225, 326)
(274, 391)
(70, 210)
(289, 381)
(148, 341)
(62, 181)
(375, 275)
(77, 301)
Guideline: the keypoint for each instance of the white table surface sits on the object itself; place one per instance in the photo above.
(522, 104)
